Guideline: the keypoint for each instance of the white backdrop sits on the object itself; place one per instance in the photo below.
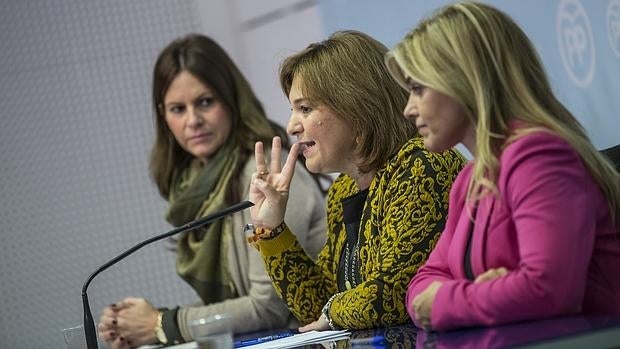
(75, 126)
(578, 40)
(75, 133)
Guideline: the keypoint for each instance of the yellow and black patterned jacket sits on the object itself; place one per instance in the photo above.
(404, 213)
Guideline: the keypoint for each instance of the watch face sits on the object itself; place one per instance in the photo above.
(161, 335)
(159, 331)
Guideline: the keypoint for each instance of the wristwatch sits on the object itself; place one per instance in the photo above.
(325, 312)
(159, 330)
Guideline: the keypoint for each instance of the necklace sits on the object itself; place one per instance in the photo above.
(352, 257)
(352, 211)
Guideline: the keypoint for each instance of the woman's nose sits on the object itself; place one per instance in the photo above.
(195, 117)
(294, 126)
(411, 109)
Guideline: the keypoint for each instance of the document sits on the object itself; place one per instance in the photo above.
(296, 340)
(311, 337)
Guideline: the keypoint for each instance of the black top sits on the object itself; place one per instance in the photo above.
(469, 273)
(352, 208)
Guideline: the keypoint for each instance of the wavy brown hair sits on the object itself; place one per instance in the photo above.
(347, 73)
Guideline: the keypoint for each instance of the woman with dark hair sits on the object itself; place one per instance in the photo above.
(207, 120)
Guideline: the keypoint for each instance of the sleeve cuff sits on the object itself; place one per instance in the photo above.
(275, 246)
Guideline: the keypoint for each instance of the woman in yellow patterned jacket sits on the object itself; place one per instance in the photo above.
(385, 210)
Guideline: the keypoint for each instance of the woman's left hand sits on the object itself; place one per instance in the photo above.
(491, 274)
(270, 186)
(422, 304)
(319, 325)
(135, 322)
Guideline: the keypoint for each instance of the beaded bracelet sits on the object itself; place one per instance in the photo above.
(262, 233)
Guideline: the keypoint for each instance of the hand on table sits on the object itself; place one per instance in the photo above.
(128, 324)
(491, 274)
(422, 304)
(319, 325)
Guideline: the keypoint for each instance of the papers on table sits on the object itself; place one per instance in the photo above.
(301, 339)
(297, 340)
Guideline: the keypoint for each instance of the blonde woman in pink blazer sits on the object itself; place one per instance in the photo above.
(532, 229)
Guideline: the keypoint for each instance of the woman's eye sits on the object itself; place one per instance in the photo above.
(176, 109)
(205, 102)
(416, 88)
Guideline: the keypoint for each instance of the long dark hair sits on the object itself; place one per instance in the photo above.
(209, 63)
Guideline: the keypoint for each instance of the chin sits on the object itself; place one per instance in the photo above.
(204, 152)
(435, 148)
(312, 168)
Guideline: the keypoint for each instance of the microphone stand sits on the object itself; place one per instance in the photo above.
(89, 323)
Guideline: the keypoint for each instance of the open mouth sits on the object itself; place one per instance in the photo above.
(306, 147)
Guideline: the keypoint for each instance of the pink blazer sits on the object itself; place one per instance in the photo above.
(550, 226)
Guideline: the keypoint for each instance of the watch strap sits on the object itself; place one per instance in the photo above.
(170, 327)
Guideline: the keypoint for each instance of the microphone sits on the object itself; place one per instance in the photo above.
(89, 323)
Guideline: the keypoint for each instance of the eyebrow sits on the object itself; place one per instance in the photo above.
(301, 100)
(172, 103)
(298, 100)
(206, 94)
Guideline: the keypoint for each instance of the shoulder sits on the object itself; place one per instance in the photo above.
(414, 156)
(411, 149)
(539, 148)
(536, 140)
(342, 187)
(540, 156)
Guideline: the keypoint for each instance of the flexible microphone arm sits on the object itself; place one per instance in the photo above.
(89, 323)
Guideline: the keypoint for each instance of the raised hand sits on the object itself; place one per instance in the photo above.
(270, 186)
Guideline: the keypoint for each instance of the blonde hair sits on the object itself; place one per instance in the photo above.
(346, 73)
(478, 55)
